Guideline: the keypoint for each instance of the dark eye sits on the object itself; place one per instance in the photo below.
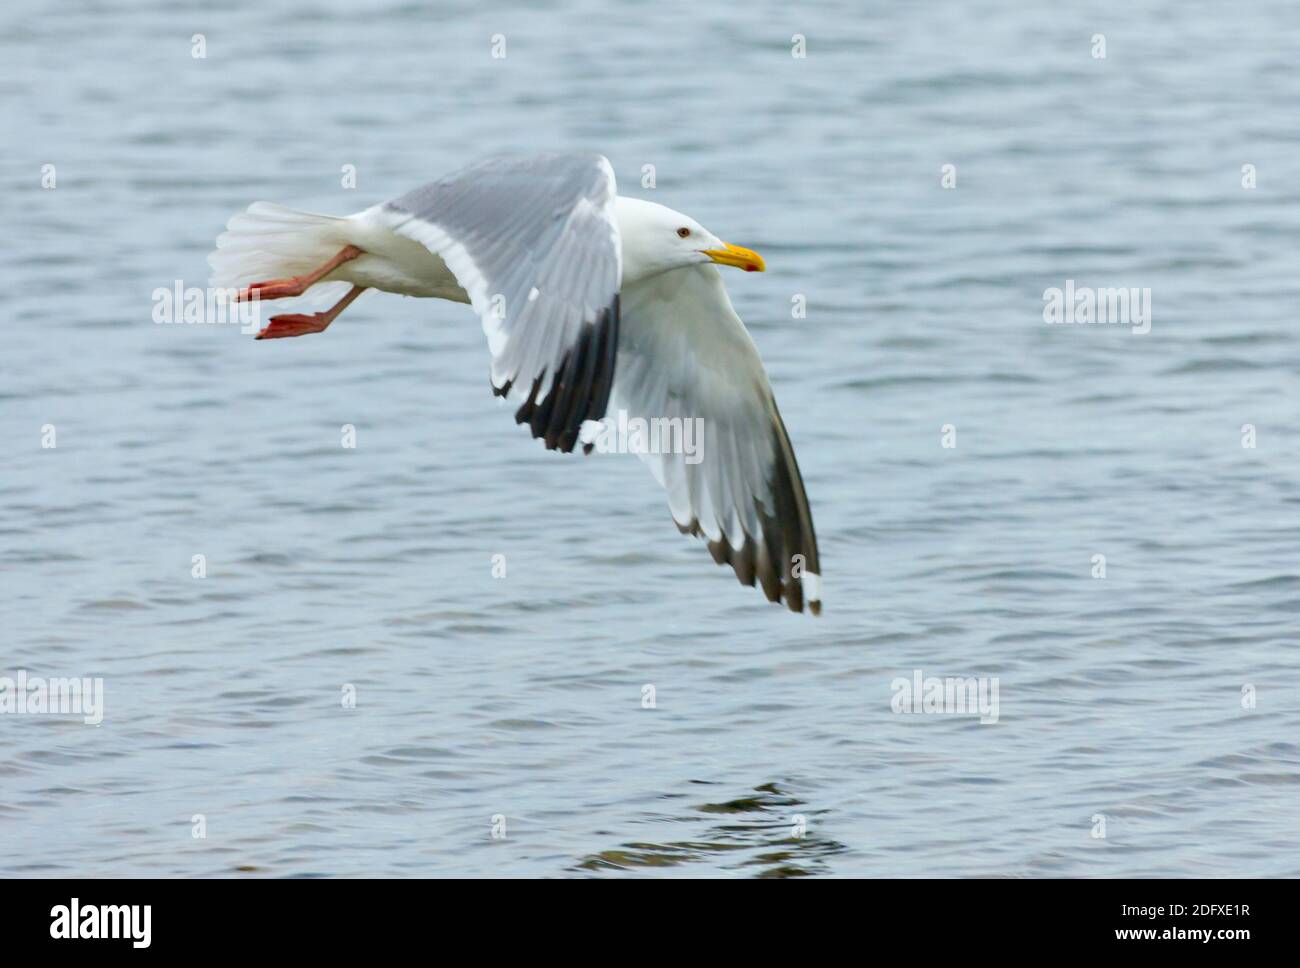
(683, 233)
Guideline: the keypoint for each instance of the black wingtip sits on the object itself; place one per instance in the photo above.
(581, 389)
(785, 548)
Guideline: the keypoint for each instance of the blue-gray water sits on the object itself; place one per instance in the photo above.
(1120, 697)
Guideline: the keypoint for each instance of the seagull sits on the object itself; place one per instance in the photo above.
(592, 303)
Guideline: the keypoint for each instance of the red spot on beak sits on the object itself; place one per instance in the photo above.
(751, 267)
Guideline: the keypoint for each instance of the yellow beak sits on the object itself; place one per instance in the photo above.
(734, 255)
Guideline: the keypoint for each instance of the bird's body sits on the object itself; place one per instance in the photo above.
(394, 263)
(590, 301)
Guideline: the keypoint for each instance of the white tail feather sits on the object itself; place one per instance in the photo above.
(271, 241)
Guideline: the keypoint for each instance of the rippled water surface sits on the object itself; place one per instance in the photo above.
(1125, 697)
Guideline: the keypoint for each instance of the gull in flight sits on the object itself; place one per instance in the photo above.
(591, 301)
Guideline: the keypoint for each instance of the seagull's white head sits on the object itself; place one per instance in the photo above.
(656, 239)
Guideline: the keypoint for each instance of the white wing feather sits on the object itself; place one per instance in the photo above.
(684, 353)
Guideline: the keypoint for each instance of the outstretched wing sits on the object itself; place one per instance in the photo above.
(684, 353)
(534, 243)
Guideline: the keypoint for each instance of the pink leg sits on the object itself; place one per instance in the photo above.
(300, 324)
(296, 286)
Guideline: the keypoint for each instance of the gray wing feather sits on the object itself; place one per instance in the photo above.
(685, 353)
(534, 243)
